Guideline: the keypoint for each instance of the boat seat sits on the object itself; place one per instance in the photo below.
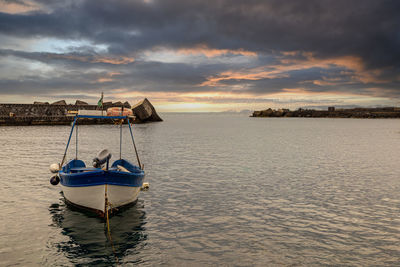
(82, 169)
(125, 166)
(72, 164)
(118, 168)
(122, 168)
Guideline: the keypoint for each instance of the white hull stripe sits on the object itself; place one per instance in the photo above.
(93, 197)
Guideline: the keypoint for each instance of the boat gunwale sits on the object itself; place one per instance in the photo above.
(100, 177)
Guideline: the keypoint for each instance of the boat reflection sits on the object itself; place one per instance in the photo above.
(87, 241)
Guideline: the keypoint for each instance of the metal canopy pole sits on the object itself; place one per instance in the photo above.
(69, 139)
(120, 140)
(76, 142)
(120, 133)
(134, 146)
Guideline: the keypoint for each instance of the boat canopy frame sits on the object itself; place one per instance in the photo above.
(101, 117)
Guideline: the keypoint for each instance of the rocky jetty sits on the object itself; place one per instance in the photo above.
(145, 112)
(110, 104)
(332, 112)
(80, 103)
(58, 113)
(61, 102)
(127, 105)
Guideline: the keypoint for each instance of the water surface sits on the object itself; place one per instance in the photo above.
(224, 190)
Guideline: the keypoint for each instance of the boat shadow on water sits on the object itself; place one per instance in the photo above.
(87, 240)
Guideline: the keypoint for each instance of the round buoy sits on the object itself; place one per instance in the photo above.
(145, 187)
(55, 180)
(54, 168)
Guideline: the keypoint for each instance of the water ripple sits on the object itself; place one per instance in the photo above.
(224, 190)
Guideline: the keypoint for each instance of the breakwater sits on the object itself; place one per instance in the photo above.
(332, 112)
(50, 120)
(40, 110)
(60, 113)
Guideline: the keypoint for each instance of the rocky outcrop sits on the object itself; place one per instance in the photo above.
(110, 104)
(61, 102)
(117, 104)
(107, 105)
(145, 112)
(127, 105)
(80, 103)
(40, 103)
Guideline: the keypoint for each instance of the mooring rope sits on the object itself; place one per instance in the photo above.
(106, 205)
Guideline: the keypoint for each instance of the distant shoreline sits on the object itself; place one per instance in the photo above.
(332, 112)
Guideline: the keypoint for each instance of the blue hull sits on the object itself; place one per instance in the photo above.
(75, 174)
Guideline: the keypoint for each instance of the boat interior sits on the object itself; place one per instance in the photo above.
(120, 165)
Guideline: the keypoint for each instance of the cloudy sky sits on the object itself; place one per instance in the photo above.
(202, 55)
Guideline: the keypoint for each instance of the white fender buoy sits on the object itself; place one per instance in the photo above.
(145, 187)
(54, 168)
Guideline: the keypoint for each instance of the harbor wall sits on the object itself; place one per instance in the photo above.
(40, 110)
(63, 114)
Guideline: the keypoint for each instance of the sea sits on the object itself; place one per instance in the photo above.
(225, 190)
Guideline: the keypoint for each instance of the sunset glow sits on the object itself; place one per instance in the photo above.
(272, 55)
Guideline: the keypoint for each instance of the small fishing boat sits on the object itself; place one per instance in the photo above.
(104, 187)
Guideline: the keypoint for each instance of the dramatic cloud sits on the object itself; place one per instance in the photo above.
(242, 50)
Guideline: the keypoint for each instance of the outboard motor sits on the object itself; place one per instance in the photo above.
(103, 157)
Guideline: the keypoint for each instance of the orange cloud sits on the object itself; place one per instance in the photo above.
(250, 74)
(109, 77)
(94, 59)
(352, 63)
(349, 62)
(329, 81)
(211, 52)
(114, 61)
(15, 8)
(303, 92)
